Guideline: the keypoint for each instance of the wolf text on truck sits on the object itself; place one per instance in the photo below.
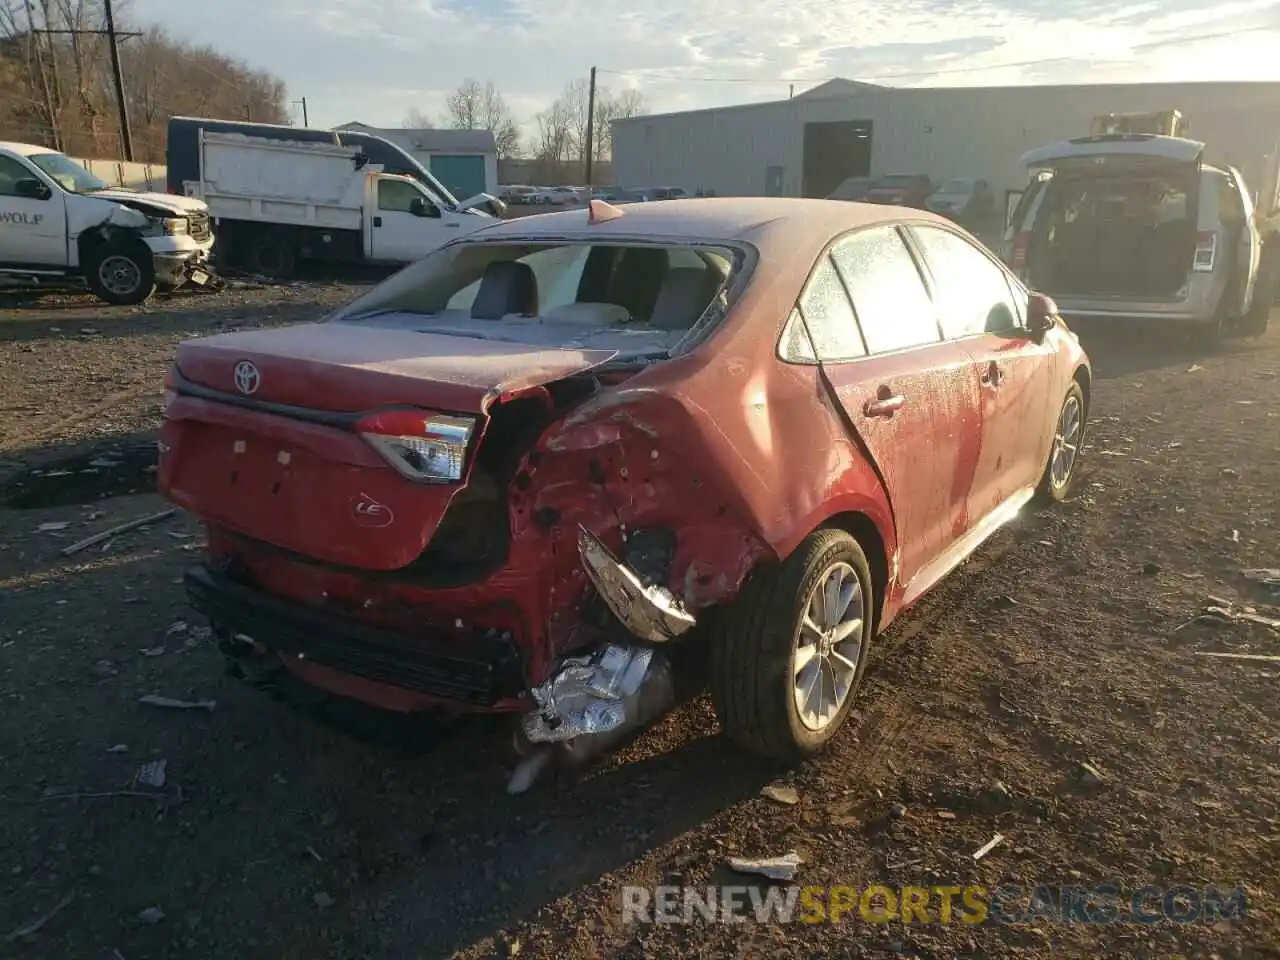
(533, 470)
(283, 194)
(60, 224)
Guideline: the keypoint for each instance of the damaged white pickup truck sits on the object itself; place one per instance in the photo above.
(60, 224)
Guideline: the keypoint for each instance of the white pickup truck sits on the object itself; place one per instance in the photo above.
(276, 201)
(59, 224)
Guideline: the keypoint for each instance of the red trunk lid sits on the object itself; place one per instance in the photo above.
(279, 460)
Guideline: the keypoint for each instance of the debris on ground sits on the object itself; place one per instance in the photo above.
(118, 748)
(155, 700)
(52, 526)
(774, 868)
(1268, 578)
(781, 794)
(118, 529)
(151, 774)
(1091, 775)
(34, 927)
(988, 847)
(1265, 657)
(1225, 612)
(323, 900)
(151, 915)
(898, 811)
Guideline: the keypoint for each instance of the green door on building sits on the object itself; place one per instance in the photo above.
(463, 174)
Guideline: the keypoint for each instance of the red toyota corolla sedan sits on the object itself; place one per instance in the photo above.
(517, 474)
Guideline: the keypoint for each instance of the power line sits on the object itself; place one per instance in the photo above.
(918, 74)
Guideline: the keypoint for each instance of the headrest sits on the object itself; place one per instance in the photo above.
(685, 293)
(507, 287)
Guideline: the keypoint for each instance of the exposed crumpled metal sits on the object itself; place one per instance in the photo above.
(588, 694)
(649, 612)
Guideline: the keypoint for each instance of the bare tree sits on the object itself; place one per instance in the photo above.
(58, 90)
(473, 106)
(553, 141)
(630, 103)
(417, 119)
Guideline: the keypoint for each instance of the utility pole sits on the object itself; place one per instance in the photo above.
(303, 102)
(126, 136)
(591, 123)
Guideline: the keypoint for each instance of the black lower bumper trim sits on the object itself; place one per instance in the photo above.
(478, 670)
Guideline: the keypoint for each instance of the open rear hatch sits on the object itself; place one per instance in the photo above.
(343, 442)
(1117, 217)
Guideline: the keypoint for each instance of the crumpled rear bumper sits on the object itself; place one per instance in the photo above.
(472, 670)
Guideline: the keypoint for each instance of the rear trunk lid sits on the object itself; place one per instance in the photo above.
(266, 433)
(1115, 155)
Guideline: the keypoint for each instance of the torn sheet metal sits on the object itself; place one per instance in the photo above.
(613, 689)
(652, 613)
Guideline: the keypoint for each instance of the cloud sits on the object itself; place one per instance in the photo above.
(373, 60)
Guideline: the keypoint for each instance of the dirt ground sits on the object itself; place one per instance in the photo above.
(290, 827)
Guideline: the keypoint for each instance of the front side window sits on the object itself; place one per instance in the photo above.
(11, 171)
(889, 297)
(971, 293)
(67, 173)
(397, 196)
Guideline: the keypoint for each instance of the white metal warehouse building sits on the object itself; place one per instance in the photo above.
(806, 145)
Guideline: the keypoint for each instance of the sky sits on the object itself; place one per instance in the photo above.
(374, 60)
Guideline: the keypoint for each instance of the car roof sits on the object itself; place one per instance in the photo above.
(25, 149)
(776, 225)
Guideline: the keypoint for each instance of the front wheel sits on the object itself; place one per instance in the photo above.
(1064, 456)
(122, 275)
(787, 661)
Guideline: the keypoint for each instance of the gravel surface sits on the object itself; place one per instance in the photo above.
(1047, 692)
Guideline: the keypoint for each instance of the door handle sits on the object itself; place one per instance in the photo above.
(992, 376)
(377, 221)
(885, 405)
(453, 225)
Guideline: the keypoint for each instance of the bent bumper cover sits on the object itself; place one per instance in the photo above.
(651, 613)
(478, 670)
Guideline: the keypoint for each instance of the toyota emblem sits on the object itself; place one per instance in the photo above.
(247, 377)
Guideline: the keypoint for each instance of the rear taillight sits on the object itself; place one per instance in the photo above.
(419, 444)
(1018, 259)
(170, 389)
(1206, 249)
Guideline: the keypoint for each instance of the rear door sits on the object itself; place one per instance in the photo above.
(979, 308)
(909, 396)
(1237, 215)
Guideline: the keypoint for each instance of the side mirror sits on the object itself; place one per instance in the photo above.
(32, 189)
(1042, 314)
(420, 208)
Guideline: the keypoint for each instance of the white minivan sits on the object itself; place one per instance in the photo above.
(59, 223)
(1137, 226)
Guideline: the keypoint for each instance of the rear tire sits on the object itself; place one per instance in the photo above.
(766, 661)
(270, 255)
(121, 274)
(1061, 470)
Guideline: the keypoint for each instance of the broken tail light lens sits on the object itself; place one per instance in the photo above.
(419, 444)
(1206, 250)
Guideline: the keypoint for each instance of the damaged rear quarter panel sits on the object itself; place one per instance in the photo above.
(741, 455)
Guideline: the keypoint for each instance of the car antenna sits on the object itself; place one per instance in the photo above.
(600, 211)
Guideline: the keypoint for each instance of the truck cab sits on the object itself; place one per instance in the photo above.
(61, 224)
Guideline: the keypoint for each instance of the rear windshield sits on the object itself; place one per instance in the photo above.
(638, 298)
(957, 186)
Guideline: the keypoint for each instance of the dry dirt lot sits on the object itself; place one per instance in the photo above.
(294, 828)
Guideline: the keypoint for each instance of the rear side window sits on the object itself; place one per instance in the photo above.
(893, 307)
(971, 293)
(828, 315)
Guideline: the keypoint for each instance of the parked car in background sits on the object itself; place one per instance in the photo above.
(854, 188)
(901, 189)
(1139, 228)
(511, 478)
(965, 199)
(517, 193)
(559, 196)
